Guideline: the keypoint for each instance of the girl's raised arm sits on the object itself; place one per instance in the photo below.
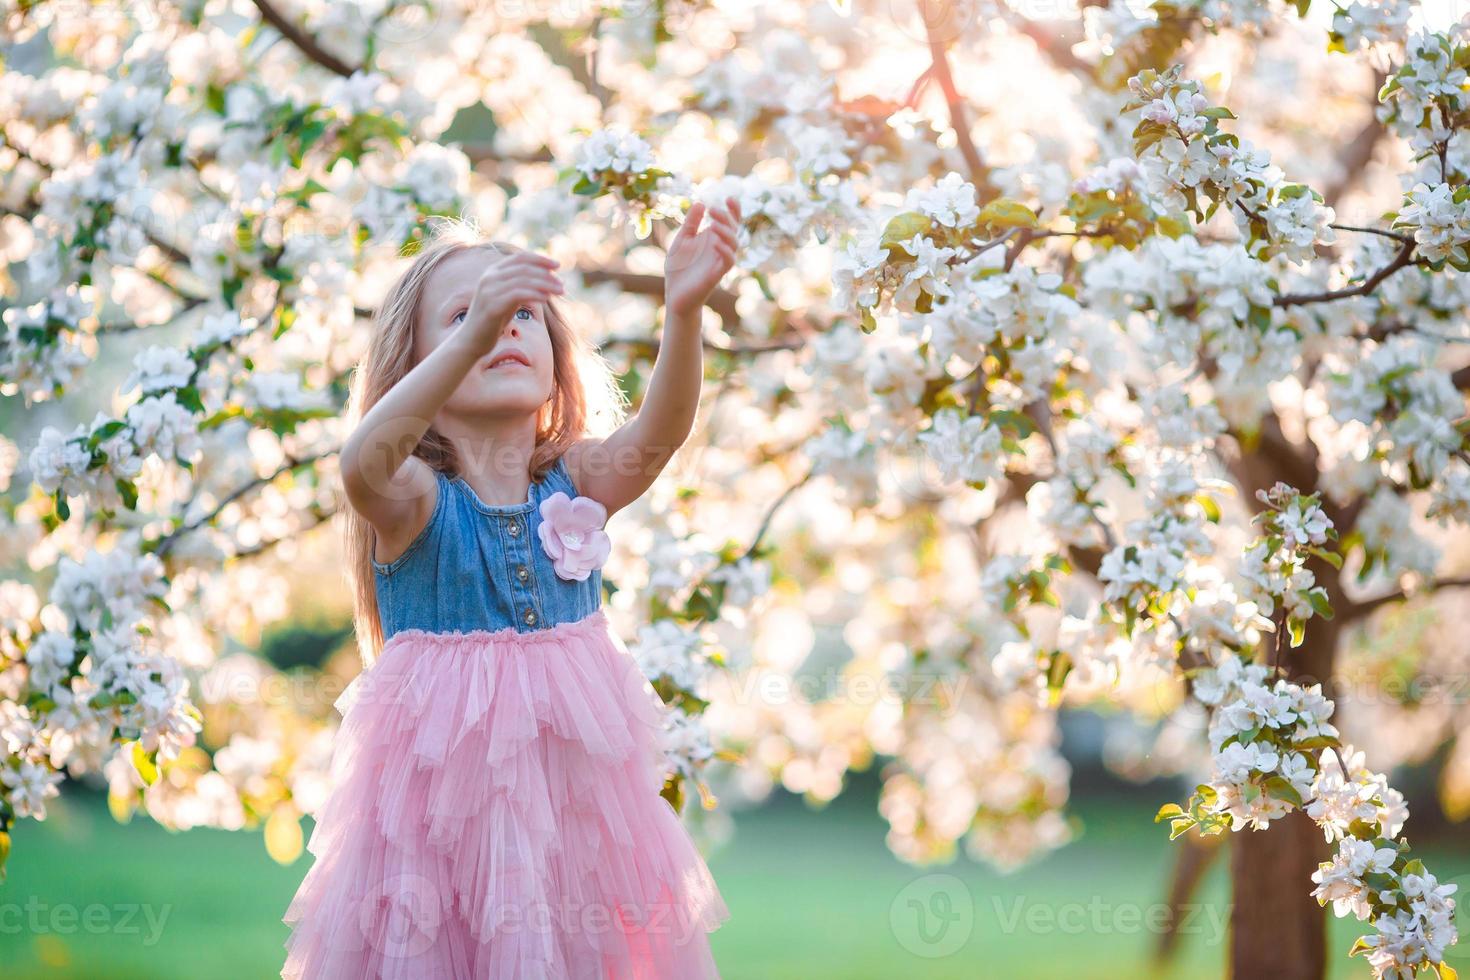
(384, 482)
(617, 470)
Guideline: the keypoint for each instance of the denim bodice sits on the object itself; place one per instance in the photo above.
(477, 566)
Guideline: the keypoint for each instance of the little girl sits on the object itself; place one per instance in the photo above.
(495, 811)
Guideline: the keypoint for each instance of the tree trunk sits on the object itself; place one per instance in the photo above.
(1277, 929)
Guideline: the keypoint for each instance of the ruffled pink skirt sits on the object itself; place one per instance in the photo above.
(495, 815)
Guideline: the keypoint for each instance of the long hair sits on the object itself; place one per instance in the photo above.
(582, 385)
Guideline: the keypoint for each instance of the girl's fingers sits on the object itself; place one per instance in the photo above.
(537, 288)
(691, 221)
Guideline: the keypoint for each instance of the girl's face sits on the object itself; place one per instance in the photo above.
(510, 388)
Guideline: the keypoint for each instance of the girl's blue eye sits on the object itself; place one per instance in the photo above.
(526, 311)
(459, 316)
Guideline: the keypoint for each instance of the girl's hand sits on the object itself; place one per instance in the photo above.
(511, 282)
(698, 259)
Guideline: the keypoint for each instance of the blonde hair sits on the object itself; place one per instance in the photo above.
(583, 391)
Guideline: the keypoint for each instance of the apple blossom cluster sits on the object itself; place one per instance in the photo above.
(1439, 219)
(1192, 166)
(1202, 302)
(686, 744)
(665, 650)
(44, 350)
(967, 448)
(908, 265)
(1273, 569)
(1143, 573)
(1372, 876)
(675, 654)
(1068, 503)
(101, 461)
(779, 218)
(1406, 403)
(94, 678)
(1374, 23)
(1274, 749)
(1421, 96)
(620, 163)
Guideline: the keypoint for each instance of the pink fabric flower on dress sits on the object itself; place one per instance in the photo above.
(571, 535)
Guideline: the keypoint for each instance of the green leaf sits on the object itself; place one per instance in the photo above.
(901, 228)
(1298, 628)
(1208, 505)
(129, 491)
(146, 763)
(765, 285)
(105, 432)
(1167, 811)
(1318, 742)
(1004, 212)
(1056, 676)
(1281, 789)
(673, 791)
(1330, 557)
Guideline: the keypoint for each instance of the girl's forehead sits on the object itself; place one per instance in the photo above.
(461, 268)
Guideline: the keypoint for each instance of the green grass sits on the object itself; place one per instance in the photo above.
(812, 894)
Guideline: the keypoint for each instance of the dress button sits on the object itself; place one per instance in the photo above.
(515, 528)
(530, 617)
(522, 572)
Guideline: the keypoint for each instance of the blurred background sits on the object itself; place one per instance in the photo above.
(813, 893)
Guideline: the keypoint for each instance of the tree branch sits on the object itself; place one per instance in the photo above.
(303, 42)
(167, 542)
(652, 344)
(1360, 610)
(1359, 151)
(958, 117)
(722, 301)
(1404, 258)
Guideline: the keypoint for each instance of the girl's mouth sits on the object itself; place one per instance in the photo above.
(508, 359)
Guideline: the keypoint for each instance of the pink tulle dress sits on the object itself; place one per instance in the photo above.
(495, 810)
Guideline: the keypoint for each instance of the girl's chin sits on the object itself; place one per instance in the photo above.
(502, 404)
